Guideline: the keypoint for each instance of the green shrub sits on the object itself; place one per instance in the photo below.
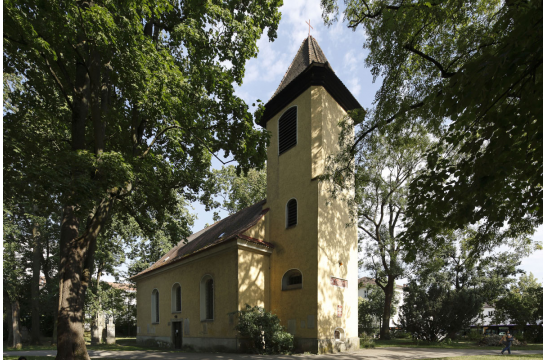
(366, 341)
(263, 329)
(400, 334)
(474, 336)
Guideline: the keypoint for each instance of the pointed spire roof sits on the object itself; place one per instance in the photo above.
(308, 52)
(309, 68)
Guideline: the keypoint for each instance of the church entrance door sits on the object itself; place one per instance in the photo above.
(177, 333)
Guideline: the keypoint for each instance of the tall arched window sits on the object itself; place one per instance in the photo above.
(291, 213)
(292, 279)
(287, 130)
(155, 306)
(207, 298)
(176, 298)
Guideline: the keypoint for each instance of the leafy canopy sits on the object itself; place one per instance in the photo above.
(162, 74)
(472, 73)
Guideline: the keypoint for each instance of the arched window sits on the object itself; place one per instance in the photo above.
(176, 298)
(292, 279)
(287, 130)
(339, 334)
(155, 306)
(207, 298)
(291, 213)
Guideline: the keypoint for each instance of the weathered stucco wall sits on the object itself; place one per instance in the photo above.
(289, 176)
(337, 243)
(253, 279)
(257, 231)
(221, 264)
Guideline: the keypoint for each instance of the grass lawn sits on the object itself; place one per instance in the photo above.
(489, 357)
(122, 344)
(453, 345)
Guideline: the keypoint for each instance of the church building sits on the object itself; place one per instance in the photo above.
(291, 253)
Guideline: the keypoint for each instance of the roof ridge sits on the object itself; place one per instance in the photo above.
(302, 60)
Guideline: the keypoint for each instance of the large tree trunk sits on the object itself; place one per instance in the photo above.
(70, 341)
(54, 336)
(35, 286)
(388, 297)
(7, 311)
(15, 313)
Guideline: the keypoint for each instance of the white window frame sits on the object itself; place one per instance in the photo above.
(296, 128)
(341, 334)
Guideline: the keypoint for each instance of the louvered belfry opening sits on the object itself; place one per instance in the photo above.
(287, 130)
(291, 215)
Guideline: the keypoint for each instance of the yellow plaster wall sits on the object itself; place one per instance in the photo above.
(257, 231)
(336, 242)
(222, 265)
(253, 278)
(289, 176)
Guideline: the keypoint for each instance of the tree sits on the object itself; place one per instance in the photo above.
(237, 190)
(431, 313)
(371, 309)
(472, 73)
(382, 175)
(460, 265)
(523, 304)
(125, 102)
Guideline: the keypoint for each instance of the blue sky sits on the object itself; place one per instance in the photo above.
(344, 50)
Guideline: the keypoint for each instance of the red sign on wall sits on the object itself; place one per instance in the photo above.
(338, 282)
(339, 311)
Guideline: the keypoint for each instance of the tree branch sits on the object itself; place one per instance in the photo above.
(444, 74)
(387, 121)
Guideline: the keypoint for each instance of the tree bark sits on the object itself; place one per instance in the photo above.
(70, 341)
(388, 297)
(15, 313)
(7, 311)
(54, 336)
(35, 286)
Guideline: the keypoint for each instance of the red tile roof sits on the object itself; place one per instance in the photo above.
(232, 227)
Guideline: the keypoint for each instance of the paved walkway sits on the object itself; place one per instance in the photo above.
(379, 353)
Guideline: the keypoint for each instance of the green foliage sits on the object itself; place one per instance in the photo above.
(460, 265)
(384, 168)
(264, 331)
(371, 309)
(366, 341)
(237, 190)
(432, 313)
(471, 72)
(523, 304)
(113, 111)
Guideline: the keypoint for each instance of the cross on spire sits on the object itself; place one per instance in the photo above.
(309, 26)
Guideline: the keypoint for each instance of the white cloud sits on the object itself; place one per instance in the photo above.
(353, 59)
(294, 15)
(270, 65)
(354, 86)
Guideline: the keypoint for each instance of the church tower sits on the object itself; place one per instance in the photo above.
(314, 266)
